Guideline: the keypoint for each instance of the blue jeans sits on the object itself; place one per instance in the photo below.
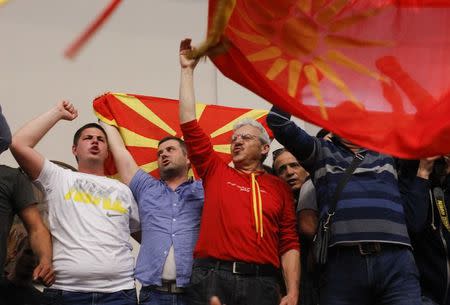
(63, 297)
(149, 296)
(389, 277)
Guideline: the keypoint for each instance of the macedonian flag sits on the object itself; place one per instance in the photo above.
(144, 120)
(376, 72)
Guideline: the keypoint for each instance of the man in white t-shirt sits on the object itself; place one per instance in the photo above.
(90, 216)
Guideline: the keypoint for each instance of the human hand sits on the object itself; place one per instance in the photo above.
(289, 299)
(185, 48)
(215, 301)
(426, 167)
(67, 110)
(44, 273)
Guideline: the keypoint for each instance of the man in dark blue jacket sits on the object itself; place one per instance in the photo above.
(427, 187)
(369, 256)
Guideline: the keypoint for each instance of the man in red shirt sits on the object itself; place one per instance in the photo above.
(248, 226)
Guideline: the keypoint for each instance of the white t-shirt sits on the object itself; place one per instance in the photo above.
(90, 220)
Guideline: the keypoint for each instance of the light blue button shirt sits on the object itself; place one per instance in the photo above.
(167, 217)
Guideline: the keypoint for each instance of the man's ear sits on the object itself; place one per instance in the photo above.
(265, 149)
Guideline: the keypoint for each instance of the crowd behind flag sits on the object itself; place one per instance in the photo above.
(375, 72)
(144, 120)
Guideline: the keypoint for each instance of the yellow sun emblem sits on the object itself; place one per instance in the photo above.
(306, 25)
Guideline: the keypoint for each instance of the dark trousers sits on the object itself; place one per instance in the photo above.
(62, 297)
(389, 277)
(231, 288)
(11, 294)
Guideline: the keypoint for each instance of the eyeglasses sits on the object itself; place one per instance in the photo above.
(244, 136)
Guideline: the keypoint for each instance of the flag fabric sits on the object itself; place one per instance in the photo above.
(376, 72)
(73, 50)
(144, 120)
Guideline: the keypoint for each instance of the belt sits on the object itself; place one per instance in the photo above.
(369, 248)
(240, 268)
(166, 286)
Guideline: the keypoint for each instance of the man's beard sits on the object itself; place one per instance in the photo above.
(170, 173)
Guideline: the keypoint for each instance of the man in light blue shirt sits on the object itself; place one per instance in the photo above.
(169, 210)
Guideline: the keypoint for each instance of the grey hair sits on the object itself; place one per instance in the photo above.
(263, 137)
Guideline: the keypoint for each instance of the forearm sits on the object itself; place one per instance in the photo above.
(290, 262)
(307, 222)
(187, 96)
(41, 243)
(295, 139)
(32, 132)
(5, 133)
(125, 163)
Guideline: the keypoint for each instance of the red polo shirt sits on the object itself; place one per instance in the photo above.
(227, 229)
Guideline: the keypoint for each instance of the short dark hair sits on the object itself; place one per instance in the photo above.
(322, 133)
(77, 134)
(179, 140)
(275, 154)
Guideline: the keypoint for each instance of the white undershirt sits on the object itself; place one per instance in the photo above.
(169, 270)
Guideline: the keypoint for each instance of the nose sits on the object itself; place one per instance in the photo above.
(163, 154)
(237, 139)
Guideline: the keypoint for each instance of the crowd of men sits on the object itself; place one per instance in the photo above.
(234, 236)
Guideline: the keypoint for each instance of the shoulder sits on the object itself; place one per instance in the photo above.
(6, 171)
(274, 181)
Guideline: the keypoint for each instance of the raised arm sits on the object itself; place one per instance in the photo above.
(28, 136)
(415, 195)
(295, 139)
(5, 133)
(125, 163)
(187, 95)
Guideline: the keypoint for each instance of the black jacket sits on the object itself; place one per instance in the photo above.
(429, 237)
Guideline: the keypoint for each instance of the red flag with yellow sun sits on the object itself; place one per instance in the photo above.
(376, 72)
(144, 120)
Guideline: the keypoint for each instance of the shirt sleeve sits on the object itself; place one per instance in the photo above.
(307, 198)
(50, 175)
(199, 147)
(289, 239)
(140, 182)
(416, 202)
(5, 133)
(22, 195)
(303, 146)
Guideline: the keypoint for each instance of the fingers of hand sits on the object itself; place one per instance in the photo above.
(45, 274)
(185, 44)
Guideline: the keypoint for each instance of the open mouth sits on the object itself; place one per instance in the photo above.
(236, 150)
(94, 151)
(292, 181)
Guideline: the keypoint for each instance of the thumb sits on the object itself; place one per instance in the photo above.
(36, 272)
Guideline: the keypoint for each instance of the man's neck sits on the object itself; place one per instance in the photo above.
(175, 182)
(249, 168)
(97, 170)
